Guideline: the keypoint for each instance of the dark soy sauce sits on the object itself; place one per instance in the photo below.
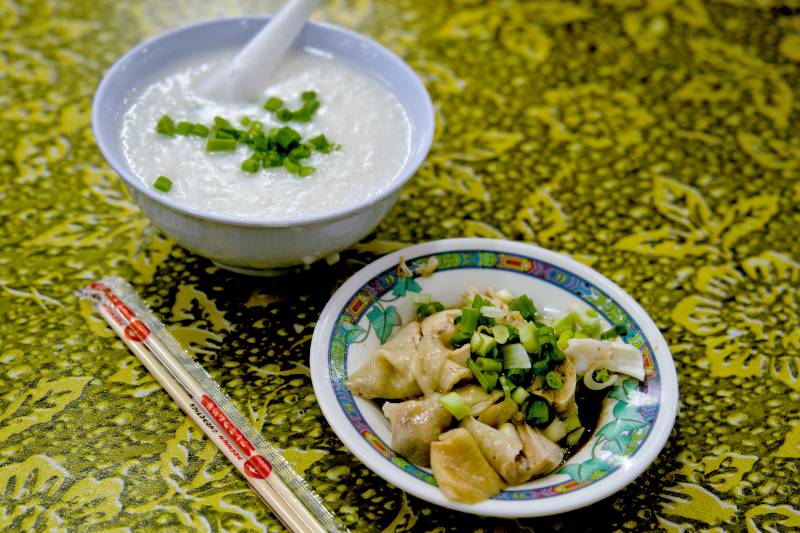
(590, 403)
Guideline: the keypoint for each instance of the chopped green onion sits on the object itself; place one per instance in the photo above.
(481, 344)
(484, 363)
(529, 337)
(284, 115)
(469, 320)
(546, 335)
(504, 295)
(487, 380)
(572, 423)
(491, 311)
(321, 144)
(279, 147)
(220, 145)
(540, 367)
(500, 334)
(486, 321)
(601, 375)
(162, 183)
(479, 302)
(567, 322)
(286, 137)
(301, 115)
(524, 305)
(165, 126)
(517, 376)
(616, 331)
(300, 152)
(305, 113)
(255, 127)
(291, 165)
(460, 338)
(556, 430)
(553, 380)
(506, 386)
(515, 356)
(223, 134)
(545, 351)
(513, 334)
(250, 165)
(592, 328)
(222, 124)
(455, 405)
(491, 378)
(427, 309)
(273, 104)
(520, 395)
(564, 338)
(582, 321)
(259, 142)
(184, 128)
(557, 356)
(272, 159)
(608, 334)
(574, 436)
(546, 331)
(199, 130)
(539, 413)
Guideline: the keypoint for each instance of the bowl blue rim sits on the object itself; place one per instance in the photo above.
(372, 286)
(411, 166)
(609, 485)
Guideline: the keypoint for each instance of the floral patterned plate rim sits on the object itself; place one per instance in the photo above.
(635, 420)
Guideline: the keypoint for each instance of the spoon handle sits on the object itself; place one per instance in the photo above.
(249, 72)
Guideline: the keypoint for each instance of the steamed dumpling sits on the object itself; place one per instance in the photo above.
(543, 454)
(434, 349)
(388, 372)
(415, 425)
(454, 369)
(473, 393)
(499, 413)
(584, 353)
(615, 356)
(477, 398)
(503, 450)
(461, 470)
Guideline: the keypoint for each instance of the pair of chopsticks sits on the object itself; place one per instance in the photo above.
(205, 403)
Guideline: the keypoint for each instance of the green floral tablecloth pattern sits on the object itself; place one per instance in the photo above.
(655, 140)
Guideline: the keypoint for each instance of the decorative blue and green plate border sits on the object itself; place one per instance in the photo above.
(636, 407)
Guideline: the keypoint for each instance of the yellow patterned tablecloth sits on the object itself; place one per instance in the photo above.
(655, 140)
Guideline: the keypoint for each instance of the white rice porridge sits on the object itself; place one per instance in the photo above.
(357, 112)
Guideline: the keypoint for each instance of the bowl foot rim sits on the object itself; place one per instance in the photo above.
(259, 272)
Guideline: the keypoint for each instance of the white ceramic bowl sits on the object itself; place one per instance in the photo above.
(635, 420)
(257, 245)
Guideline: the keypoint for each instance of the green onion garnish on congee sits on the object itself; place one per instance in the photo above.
(278, 147)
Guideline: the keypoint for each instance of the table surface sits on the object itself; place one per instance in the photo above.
(656, 141)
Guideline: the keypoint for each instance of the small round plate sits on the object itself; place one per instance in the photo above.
(635, 420)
